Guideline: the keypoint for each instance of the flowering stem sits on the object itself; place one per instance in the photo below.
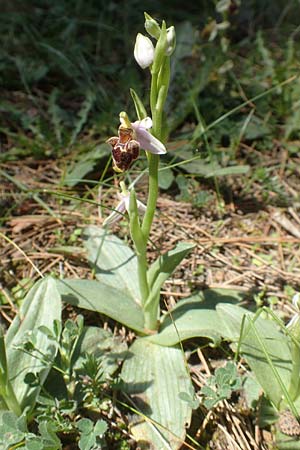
(160, 79)
(140, 245)
(153, 95)
(157, 102)
(153, 161)
(159, 89)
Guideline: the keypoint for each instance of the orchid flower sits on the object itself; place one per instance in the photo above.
(146, 140)
(122, 207)
(132, 137)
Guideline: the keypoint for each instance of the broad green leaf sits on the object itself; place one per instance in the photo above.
(275, 343)
(154, 376)
(251, 391)
(102, 344)
(113, 261)
(197, 165)
(41, 307)
(195, 316)
(97, 296)
(87, 438)
(33, 443)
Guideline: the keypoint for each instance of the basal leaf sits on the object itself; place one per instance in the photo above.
(41, 307)
(154, 376)
(195, 316)
(98, 296)
(113, 261)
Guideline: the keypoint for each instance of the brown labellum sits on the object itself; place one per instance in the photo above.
(124, 149)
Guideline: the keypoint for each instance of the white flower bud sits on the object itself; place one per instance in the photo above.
(171, 41)
(143, 51)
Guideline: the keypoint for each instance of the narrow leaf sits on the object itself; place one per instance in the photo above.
(224, 171)
(3, 360)
(165, 265)
(139, 107)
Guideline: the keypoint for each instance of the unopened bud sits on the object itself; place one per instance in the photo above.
(171, 41)
(151, 26)
(143, 51)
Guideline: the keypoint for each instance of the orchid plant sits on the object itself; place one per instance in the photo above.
(127, 288)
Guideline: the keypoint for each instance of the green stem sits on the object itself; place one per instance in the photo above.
(142, 274)
(153, 96)
(151, 322)
(157, 102)
(140, 243)
(153, 161)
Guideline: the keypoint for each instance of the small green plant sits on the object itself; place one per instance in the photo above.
(14, 433)
(221, 385)
(91, 434)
